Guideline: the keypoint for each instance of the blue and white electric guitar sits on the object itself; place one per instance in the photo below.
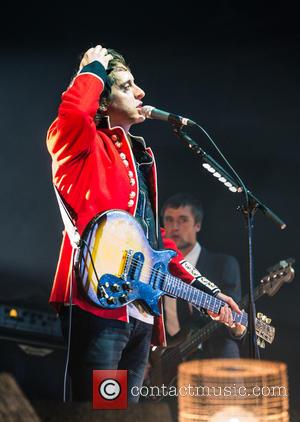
(116, 266)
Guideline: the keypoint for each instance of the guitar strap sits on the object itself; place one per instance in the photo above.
(75, 241)
(70, 227)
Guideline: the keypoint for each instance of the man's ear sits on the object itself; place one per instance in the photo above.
(198, 227)
(103, 106)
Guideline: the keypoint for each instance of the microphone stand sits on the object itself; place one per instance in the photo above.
(252, 204)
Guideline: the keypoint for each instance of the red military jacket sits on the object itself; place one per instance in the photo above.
(94, 171)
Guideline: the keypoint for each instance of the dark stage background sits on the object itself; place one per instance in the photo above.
(233, 69)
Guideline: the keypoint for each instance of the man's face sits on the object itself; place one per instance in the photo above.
(124, 105)
(180, 226)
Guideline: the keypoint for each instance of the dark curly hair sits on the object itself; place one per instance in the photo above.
(116, 63)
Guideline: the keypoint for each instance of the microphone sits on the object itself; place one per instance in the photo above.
(154, 113)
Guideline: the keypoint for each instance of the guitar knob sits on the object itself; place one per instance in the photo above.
(115, 287)
(102, 293)
(111, 300)
(123, 298)
(127, 286)
(259, 315)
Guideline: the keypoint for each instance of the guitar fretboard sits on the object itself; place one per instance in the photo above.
(176, 287)
(190, 344)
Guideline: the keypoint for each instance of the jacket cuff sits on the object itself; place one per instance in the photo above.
(95, 68)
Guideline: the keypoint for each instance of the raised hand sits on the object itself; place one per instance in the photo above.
(97, 53)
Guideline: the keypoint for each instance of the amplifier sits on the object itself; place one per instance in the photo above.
(33, 351)
(35, 327)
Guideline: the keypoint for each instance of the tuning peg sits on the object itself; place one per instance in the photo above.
(264, 318)
(268, 320)
(283, 263)
(261, 343)
(259, 315)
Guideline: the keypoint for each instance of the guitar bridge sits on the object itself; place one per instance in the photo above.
(125, 264)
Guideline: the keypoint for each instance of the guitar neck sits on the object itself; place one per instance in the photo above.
(189, 345)
(176, 287)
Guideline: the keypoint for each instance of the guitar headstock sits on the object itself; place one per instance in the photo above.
(283, 272)
(264, 331)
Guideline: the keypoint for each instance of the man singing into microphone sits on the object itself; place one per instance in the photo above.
(97, 166)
